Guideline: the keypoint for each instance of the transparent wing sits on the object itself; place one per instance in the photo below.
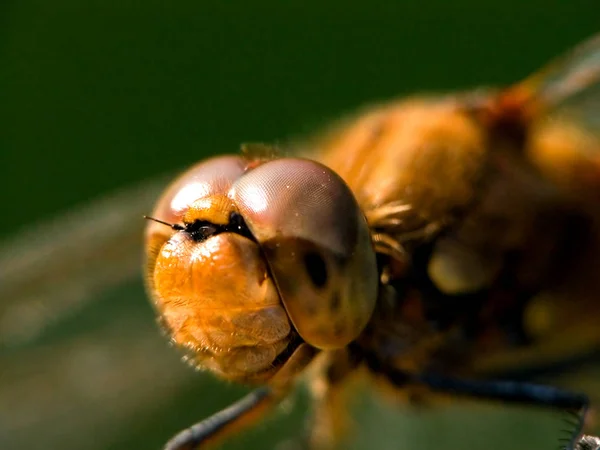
(571, 81)
(561, 106)
(80, 354)
(82, 361)
(53, 269)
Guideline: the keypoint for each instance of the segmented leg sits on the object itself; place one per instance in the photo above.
(244, 412)
(499, 390)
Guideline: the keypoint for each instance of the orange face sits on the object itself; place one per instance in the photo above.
(260, 257)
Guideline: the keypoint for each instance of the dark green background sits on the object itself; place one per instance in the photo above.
(96, 95)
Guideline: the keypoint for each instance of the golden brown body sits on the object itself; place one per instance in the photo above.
(487, 228)
(483, 210)
(510, 233)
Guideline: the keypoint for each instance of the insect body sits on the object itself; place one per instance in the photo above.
(446, 244)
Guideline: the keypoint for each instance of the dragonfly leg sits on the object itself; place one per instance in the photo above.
(518, 392)
(246, 411)
(498, 390)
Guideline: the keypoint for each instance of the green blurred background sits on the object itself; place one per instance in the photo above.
(99, 95)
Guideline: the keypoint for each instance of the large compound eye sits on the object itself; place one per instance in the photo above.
(317, 244)
(208, 178)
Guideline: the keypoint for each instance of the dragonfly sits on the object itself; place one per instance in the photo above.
(474, 331)
(438, 243)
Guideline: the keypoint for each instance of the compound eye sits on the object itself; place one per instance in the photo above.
(208, 178)
(317, 245)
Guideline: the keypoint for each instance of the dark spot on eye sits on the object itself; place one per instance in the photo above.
(335, 302)
(316, 268)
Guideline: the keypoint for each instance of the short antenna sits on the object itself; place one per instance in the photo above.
(175, 226)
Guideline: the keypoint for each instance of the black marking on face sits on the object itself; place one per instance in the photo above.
(316, 269)
(200, 230)
(237, 224)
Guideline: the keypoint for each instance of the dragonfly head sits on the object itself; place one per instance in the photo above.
(258, 257)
